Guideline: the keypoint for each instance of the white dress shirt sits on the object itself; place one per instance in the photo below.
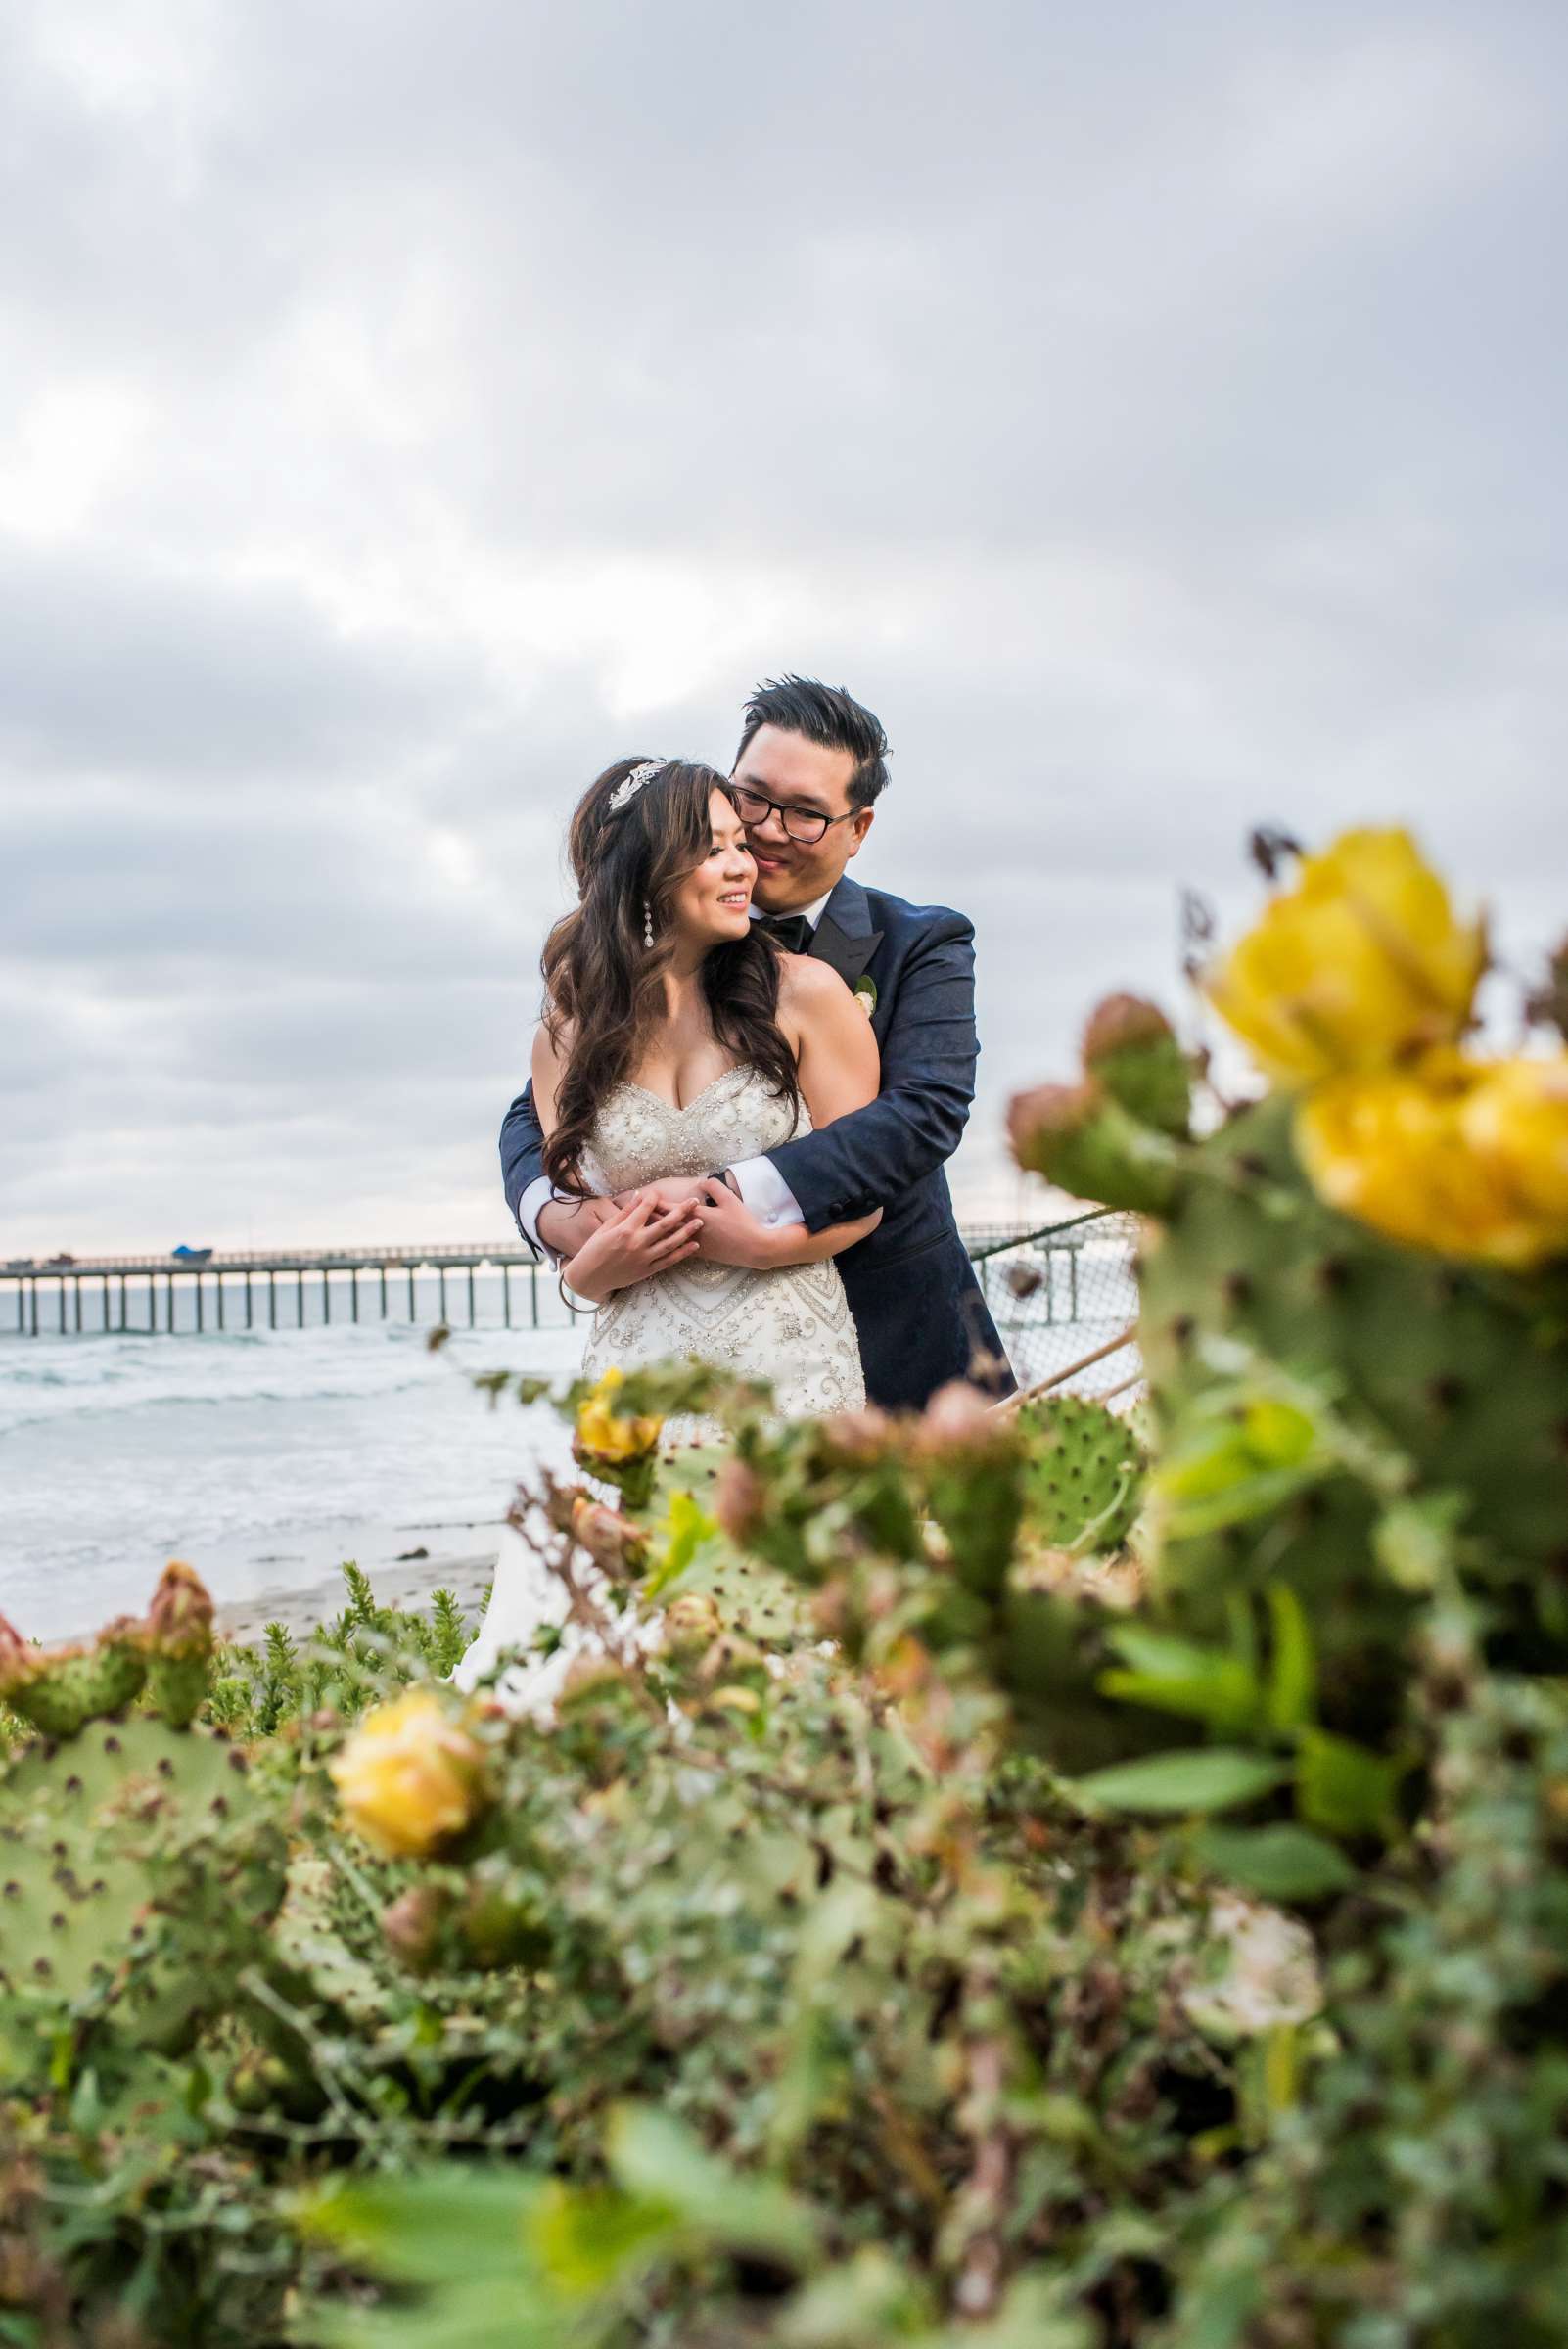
(763, 1188)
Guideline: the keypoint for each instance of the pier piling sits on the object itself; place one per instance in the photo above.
(160, 1283)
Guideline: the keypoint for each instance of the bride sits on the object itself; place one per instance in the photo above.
(679, 1039)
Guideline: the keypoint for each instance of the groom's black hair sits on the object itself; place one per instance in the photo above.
(827, 714)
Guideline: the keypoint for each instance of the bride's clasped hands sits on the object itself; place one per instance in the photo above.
(650, 1231)
(637, 1240)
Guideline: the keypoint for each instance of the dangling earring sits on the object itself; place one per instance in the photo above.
(647, 925)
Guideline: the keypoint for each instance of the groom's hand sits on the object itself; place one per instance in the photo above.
(567, 1223)
(730, 1232)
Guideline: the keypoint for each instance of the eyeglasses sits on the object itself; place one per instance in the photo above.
(803, 824)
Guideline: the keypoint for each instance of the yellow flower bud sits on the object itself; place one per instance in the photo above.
(1361, 964)
(1467, 1158)
(617, 1544)
(692, 1622)
(604, 1435)
(410, 1777)
(737, 1699)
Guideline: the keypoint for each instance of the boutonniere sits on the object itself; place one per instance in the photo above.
(866, 995)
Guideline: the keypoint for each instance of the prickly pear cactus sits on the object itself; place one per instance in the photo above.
(60, 1689)
(1458, 1377)
(1084, 1481)
(1332, 1406)
(76, 1820)
(177, 1637)
(971, 1461)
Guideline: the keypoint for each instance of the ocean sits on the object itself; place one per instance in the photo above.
(263, 1457)
(266, 1457)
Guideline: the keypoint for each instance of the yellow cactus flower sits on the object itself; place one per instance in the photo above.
(410, 1777)
(603, 1434)
(1467, 1158)
(1361, 965)
(1518, 1119)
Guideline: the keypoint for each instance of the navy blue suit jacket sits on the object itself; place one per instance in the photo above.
(912, 1290)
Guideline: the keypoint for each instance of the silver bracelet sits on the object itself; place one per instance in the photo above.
(577, 1310)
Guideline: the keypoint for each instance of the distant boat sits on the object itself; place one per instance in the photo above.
(190, 1256)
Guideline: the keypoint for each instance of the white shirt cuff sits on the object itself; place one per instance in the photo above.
(763, 1189)
(538, 1194)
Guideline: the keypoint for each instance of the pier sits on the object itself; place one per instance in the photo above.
(233, 1289)
(1051, 1290)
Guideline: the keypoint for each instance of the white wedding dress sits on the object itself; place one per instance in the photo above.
(792, 1327)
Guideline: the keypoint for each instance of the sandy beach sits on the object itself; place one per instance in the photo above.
(408, 1582)
(264, 1460)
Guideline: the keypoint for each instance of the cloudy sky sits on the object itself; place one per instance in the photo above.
(1154, 411)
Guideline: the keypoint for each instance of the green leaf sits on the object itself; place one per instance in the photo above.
(586, 2238)
(1209, 1778)
(1293, 1664)
(1243, 1457)
(1195, 1682)
(865, 2297)
(658, 2160)
(490, 2312)
(1242, 1625)
(1280, 1863)
(441, 2226)
(687, 1527)
(1414, 1540)
(1345, 1788)
(1278, 1433)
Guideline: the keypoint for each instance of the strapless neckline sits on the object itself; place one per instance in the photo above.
(683, 1109)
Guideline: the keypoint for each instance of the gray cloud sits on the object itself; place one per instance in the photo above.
(107, 665)
(403, 412)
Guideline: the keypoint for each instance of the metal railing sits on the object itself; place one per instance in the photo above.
(1060, 1293)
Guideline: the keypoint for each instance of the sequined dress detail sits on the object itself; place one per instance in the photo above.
(792, 1325)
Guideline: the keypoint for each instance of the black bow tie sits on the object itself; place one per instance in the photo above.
(791, 930)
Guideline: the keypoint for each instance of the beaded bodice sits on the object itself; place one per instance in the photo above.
(639, 1137)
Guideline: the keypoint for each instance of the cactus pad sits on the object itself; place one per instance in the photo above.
(72, 1883)
(1085, 1473)
(60, 1689)
(1462, 1371)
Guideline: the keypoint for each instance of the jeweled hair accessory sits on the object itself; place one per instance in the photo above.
(628, 789)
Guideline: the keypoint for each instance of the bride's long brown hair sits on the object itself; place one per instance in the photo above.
(602, 979)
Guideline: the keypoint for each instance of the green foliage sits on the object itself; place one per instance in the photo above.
(1210, 1778)
(979, 1887)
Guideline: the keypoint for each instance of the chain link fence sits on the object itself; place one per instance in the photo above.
(1064, 1299)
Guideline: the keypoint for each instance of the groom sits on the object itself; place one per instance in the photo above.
(810, 765)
